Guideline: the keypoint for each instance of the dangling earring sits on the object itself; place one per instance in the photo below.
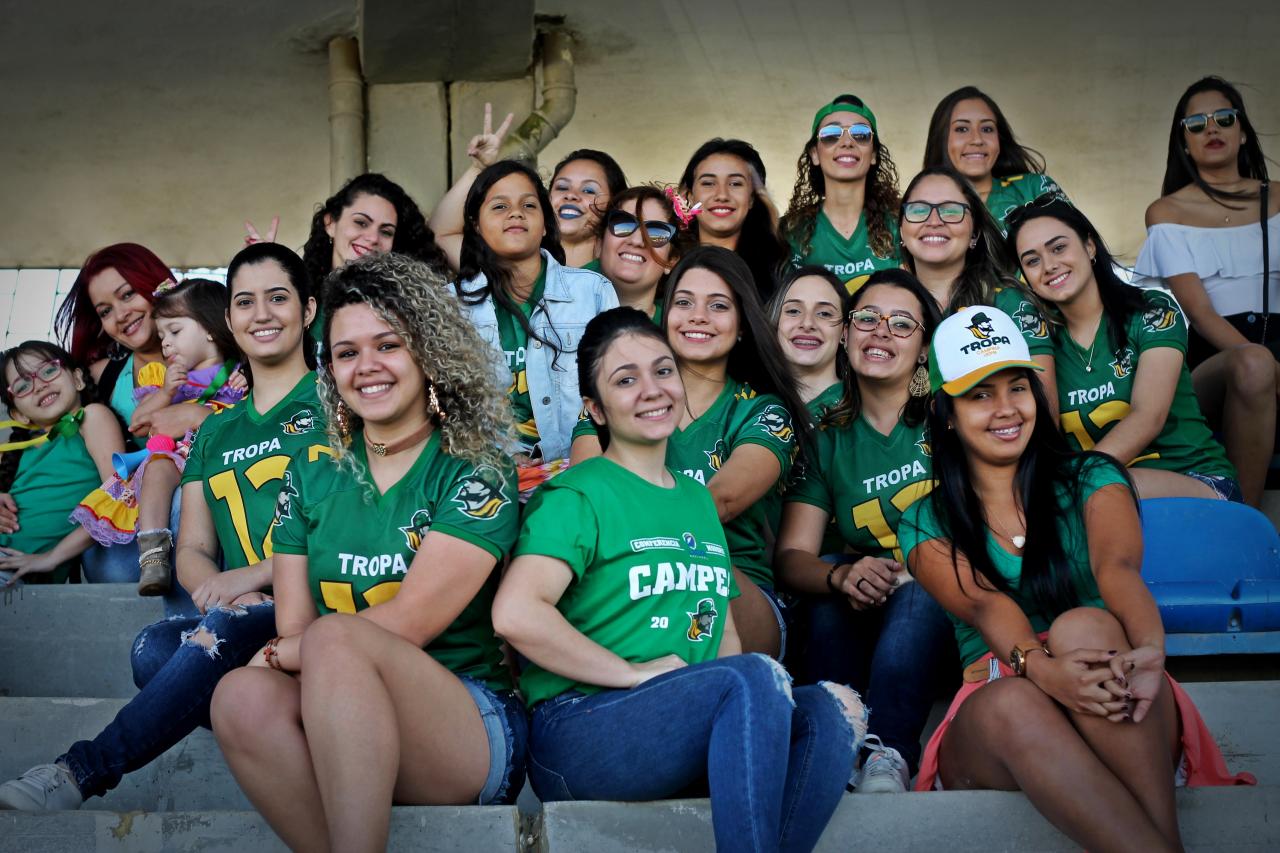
(919, 386)
(973, 244)
(434, 402)
(343, 419)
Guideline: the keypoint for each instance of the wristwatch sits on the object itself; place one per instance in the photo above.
(1018, 656)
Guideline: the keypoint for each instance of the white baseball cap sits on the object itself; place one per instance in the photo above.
(972, 344)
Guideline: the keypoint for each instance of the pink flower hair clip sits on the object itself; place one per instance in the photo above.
(165, 286)
(684, 212)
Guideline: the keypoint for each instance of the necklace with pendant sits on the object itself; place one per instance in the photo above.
(1018, 541)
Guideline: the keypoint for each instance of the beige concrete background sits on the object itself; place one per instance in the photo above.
(170, 123)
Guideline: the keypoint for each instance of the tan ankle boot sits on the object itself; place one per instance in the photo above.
(155, 571)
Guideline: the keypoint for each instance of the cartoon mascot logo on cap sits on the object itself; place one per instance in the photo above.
(1159, 317)
(981, 326)
(301, 422)
(284, 500)
(776, 422)
(480, 494)
(702, 621)
(417, 528)
(1123, 365)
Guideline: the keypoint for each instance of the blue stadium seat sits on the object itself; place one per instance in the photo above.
(1214, 569)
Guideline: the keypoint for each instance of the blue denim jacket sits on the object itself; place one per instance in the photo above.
(570, 299)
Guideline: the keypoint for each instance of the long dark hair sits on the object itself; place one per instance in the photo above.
(295, 271)
(41, 351)
(1119, 299)
(1014, 158)
(478, 259)
(1179, 169)
(843, 301)
(601, 332)
(204, 301)
(756, 358)
(880, 202)
(1048, 468)
(758, 242)
(917, 408)
(413, 236)
(986, 265)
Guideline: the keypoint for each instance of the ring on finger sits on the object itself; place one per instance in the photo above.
(858, 586)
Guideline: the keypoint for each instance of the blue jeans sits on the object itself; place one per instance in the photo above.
(776, 760)
(506, 725)
(176, 675)
(898, 656)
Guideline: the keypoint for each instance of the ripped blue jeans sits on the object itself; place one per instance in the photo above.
(776, 760)
(176, 664)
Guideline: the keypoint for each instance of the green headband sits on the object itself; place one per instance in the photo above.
(865, 112)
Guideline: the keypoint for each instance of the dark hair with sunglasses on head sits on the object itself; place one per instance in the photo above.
(1180, 169)
(758, 242)
(986, 264)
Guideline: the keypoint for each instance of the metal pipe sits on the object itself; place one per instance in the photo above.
(559, 98)
(346, 112)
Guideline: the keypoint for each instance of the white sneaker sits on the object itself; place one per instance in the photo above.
(884, 771)
(43, 788)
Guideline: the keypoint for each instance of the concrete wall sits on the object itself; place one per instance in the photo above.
(171, 124)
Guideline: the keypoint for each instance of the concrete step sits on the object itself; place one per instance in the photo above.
(438, 829)
(1224, 820)
(71, 640)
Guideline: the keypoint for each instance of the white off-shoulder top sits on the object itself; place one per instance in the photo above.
(1228, 261)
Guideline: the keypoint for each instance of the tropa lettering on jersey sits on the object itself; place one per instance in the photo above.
(240, 454)
(1091, 395)
(895, 476)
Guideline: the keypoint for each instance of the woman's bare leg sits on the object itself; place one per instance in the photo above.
(1238, 389)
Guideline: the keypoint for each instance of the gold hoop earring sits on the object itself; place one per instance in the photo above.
(434, 402)
(342, 418)
(919, 386)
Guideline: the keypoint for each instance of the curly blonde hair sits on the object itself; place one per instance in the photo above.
(419, 306)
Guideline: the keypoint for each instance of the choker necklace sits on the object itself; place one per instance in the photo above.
(403, 444)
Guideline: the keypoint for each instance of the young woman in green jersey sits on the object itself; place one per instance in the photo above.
(388, 623)
(843, 209)
(642, 240)
(582, 185)
(865, 625)
(808, 310)
(229, 489)
(619, 597)
(1205, 242)
(726, 177)
(969, 133)
(40, 474)
(736, 433)
(956, 249)
(1035, 551)
(1123, 383)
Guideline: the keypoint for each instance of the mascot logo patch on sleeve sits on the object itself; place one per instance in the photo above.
(301, 422)
(981, 327)
(702, 621)
(923, 445)
(1159, 316)
(1030, 322)
(775, 420)
(417, 528)
(1123, 365)
(284, 500)
(717, 455)
(481, 494)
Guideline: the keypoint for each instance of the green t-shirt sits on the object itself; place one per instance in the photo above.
(651, 574)
(514, 340)
(919, 524)
(832, 541)
(1094, 401)
(354, 566)
(852, 259)
(738, 416)
(1015, 191)
(593, 265)
(52, 478)
(240, 457)
(865, 481)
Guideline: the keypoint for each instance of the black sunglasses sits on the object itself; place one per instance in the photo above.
(623, 224)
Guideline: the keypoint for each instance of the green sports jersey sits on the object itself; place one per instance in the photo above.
(738, 416)
(240, 456)
(354, 566)
(865, 481)
(852, 259)
(1032, 324)
(1092, 401)
(651, 573)
(1015, 191)
(514, 340)
(832, 541)
(919, 524)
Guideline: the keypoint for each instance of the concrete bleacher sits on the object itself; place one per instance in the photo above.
(187, 799)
